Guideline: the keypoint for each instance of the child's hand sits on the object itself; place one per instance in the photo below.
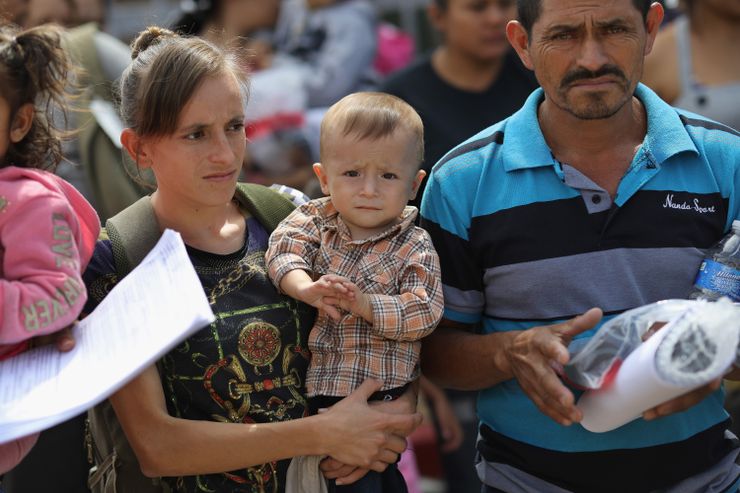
(322, 294)
(349, 297)
(63, 340)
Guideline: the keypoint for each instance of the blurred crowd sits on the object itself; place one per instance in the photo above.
(304, 55)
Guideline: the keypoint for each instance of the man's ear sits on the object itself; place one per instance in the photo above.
(416, 183)
(519, 39)
(134, 145)
(652, 24)
(22, 121)
(319, 172)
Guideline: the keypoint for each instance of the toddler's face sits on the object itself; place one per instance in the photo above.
(370, 181)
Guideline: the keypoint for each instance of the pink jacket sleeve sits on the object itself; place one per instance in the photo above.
(41, 290)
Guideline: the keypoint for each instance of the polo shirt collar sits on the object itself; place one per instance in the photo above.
(525, 145)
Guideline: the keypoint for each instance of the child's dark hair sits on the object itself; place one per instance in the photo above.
(34, 69)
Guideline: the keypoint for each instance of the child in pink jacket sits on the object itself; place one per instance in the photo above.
(47, 229)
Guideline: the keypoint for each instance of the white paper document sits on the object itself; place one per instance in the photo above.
(154, 308)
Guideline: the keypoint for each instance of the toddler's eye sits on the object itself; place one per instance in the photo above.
(351, 173)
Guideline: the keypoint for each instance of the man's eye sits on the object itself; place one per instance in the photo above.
(616, 30)
(563, 36)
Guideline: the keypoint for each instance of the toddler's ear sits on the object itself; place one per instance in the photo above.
(417, 183)
(22, 121)
(320, 173)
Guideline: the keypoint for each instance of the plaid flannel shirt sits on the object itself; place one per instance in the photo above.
(398, 268)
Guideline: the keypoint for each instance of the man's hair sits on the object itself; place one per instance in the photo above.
(529, 11)
(371, 115)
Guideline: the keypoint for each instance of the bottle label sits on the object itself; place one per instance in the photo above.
(719, 278)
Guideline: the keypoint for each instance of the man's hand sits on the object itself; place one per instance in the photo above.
(532, 356)
(682, 402)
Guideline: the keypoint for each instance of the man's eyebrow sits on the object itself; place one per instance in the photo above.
(619, 21)
(559, 28)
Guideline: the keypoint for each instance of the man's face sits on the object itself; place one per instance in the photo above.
(588, 54)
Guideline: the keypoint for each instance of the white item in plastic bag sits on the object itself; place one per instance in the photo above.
(693, 349)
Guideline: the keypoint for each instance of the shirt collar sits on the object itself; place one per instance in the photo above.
(525, 145)
(334, 222)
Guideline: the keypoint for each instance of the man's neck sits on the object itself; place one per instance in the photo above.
(601, 149)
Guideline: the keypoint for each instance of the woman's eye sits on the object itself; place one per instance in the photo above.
(195, 135)
(236, 126)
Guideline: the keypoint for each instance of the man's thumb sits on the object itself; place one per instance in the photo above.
(583, 322)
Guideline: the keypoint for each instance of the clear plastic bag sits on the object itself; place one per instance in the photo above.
(594, 360)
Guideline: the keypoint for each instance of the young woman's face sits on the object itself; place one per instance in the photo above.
(476, 28)
(198, 164)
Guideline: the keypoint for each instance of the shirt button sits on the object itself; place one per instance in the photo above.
(595, 198)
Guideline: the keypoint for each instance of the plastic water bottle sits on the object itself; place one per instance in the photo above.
(719, 273)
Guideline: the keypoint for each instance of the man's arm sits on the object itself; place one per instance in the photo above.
(464, 360)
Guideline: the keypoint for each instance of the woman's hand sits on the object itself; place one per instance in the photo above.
(362, 436)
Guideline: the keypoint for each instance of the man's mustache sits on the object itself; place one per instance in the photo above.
(585, 74)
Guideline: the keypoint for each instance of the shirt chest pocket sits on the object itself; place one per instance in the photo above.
(378, 274)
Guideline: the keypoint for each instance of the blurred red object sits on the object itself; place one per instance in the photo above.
(395, 49)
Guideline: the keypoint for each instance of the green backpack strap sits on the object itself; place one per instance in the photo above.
(133, 232)
(267, 205)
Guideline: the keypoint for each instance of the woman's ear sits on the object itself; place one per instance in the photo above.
(22, 121)
(134, 145)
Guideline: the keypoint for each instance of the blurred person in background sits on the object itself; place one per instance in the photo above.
(472, 79)
(694, 64)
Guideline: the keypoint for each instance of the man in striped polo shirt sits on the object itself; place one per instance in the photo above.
(595, 194)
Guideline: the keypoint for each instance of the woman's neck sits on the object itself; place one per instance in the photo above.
(217, 229)
(465, 72)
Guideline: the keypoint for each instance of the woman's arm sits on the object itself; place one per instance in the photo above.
(351, 431)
